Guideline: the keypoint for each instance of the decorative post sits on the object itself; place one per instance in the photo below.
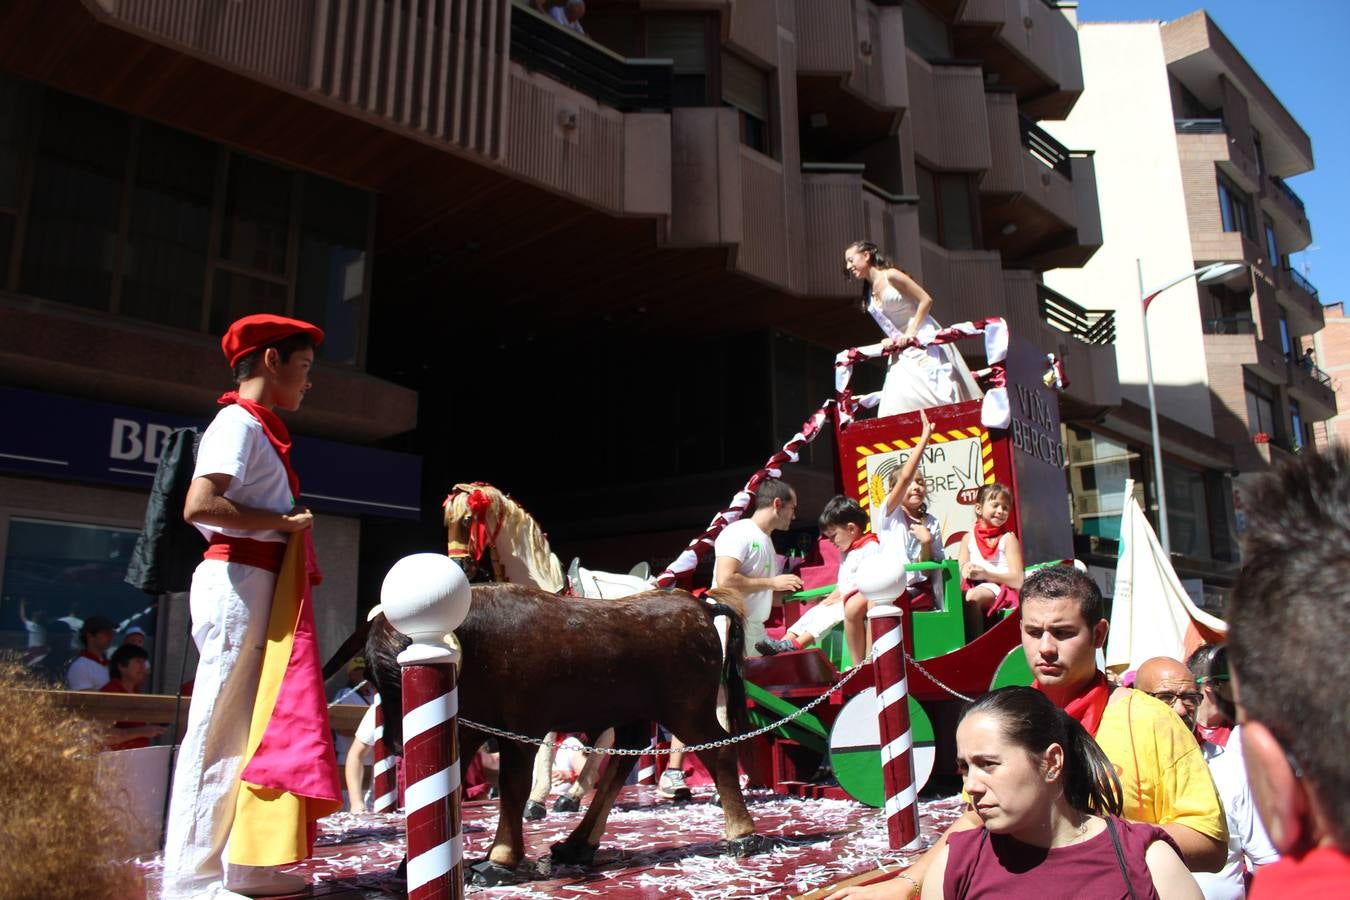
(426, 596)
(882, 582)
(384, 777)
(652, 761)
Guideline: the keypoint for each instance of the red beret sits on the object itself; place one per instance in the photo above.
(257, 331)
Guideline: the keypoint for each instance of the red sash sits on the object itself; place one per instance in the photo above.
(987, 538)
(869, 538)
(1090, 704)
(259, 554)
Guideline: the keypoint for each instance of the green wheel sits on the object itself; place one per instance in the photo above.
(1012, 671)
(855, 748)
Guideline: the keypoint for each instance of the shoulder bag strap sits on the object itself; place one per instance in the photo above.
(1120, 856)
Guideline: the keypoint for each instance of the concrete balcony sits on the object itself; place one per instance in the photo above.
(1313, 389)
(58, 348)
(1293, 232)
(966, 285)
(948, 115)
(1084, 341)
(1029, 46)
(1207, 140)
(852, 67)
(1301, 300)
(1038, 201)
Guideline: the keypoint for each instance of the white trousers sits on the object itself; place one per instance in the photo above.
(818, 619)
(230, 605)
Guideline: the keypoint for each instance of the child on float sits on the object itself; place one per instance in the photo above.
(843, 523)
(905, 516)
(991, 559)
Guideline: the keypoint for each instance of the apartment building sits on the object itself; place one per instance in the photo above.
(1331, 354)
(603, 272)
(1193, 153)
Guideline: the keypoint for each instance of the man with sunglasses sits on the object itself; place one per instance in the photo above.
(1288, 620)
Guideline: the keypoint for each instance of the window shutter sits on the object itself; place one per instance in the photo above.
(745, 87)
(681, 38)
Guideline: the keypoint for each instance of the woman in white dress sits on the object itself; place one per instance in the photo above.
(918, 377)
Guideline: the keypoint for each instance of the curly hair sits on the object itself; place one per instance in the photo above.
(55, 816)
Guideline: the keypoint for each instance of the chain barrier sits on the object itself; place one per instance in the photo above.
(929, 675)
(712, 745)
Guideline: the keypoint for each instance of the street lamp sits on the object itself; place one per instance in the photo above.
(1214, 272)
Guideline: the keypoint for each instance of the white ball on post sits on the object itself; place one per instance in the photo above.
(425, 596)
(881, 579)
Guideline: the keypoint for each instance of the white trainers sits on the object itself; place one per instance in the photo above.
(672, 785)
(263, 881)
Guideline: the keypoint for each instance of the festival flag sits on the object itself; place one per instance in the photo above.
(1151, 615)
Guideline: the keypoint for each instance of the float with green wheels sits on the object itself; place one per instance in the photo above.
(840, 730)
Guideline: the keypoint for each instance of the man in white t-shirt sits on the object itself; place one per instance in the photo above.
(844, 523)
(89, 670)
(745, 562)
(240, 499)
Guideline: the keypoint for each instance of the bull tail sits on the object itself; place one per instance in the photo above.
(728, 603)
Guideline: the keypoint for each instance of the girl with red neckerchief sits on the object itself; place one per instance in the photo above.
(991, 559)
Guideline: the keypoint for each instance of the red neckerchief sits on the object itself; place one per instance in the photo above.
(869, 538)
(102, 660)
(279, 436)
(1217, 735)
(987, 538)
(1090, 703)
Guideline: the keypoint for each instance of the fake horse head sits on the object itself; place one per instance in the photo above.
(483, 521)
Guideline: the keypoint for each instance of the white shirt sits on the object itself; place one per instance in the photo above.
(365, 733)
(846, 583)
(559, 14)
(753, 550)
(86, 674)
(1246, 835)
(236, 445)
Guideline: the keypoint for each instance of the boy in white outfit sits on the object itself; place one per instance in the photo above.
(241, 500)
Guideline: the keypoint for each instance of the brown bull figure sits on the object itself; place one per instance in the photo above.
(534, 662)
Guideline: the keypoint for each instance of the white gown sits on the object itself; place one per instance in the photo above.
(918, 378)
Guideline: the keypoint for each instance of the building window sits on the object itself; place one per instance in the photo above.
(1261, 400)
(1098, 469)
(1286, 343)
(683, 38)
(164, 265)
(75, 212)
(1187, 511)
(1260, 154)
(1272, 248)
(745, 88)
(1235, 209)
(56, 575)
(946, 208)
(1297, 427)
(130, 217)
(926, 33)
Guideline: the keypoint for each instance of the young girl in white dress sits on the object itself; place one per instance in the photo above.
(918, 377)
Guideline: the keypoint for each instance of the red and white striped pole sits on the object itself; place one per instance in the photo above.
(649, 763)
(897, 740)
(384, 780)
(426, 596)
(431, 767)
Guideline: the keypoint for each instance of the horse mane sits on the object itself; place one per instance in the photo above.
(521, 546)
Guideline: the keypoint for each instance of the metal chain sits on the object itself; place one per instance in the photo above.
(929, 675)
(712, 745)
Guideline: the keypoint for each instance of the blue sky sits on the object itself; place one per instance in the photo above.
(1299, 49)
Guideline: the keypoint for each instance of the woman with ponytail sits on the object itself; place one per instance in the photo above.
(920, 375)
(1050, 803)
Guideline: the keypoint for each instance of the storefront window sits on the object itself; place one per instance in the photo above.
(1187, 511)
(57, 574)
(1098, 469)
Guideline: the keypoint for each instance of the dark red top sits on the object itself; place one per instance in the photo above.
(1320, 874)
(115, 687)
(980, 864)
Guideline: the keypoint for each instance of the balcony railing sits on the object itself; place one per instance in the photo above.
(1305, 365)
(1044, 148)
(1229, 325)
(1303, 283)
(1091, 326)
(628, 85)
(1288, 192)
(1200, 126)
